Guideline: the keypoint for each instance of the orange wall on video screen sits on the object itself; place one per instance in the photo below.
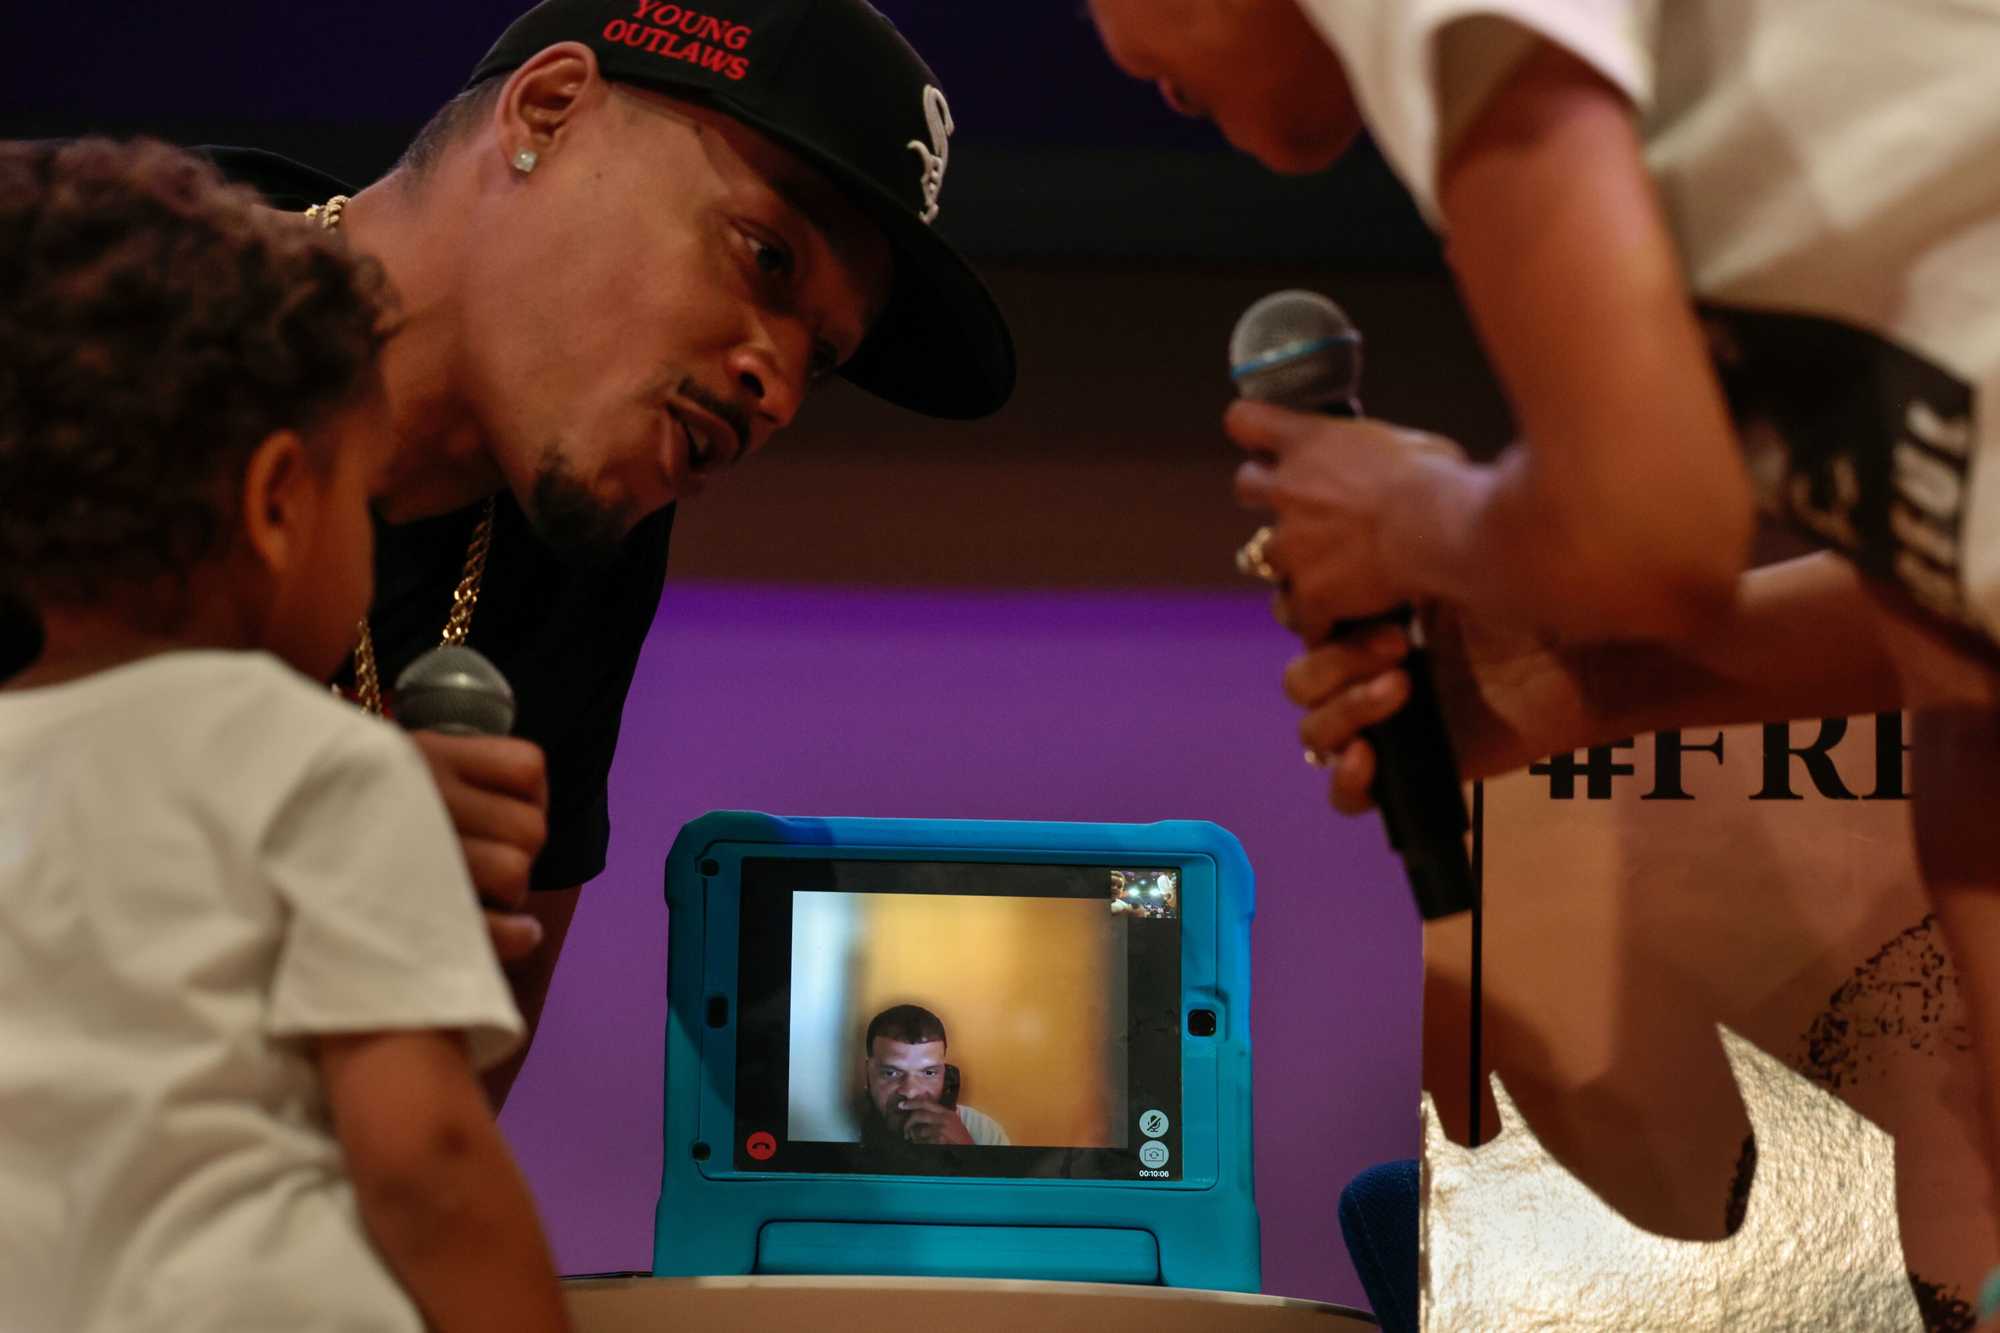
(1032, 994)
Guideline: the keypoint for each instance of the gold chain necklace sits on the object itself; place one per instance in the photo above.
(367, 680)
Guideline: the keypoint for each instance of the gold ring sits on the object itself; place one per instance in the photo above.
(1250, 557)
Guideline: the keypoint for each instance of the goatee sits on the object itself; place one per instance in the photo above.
(572, 522)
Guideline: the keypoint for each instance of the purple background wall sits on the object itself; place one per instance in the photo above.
(1005, 705)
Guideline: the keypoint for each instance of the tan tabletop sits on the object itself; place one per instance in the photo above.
(832, 1304)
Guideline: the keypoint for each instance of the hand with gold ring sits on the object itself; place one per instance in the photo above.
(1333, 488)
(1250, 557)
(1346, 686)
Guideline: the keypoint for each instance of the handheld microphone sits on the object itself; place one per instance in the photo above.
(1299, 350)
(455, 690)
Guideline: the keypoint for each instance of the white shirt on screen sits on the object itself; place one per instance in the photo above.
(1839, 160)
(205, 862)
(985, 1130)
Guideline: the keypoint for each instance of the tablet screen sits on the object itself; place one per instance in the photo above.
(959, 1019)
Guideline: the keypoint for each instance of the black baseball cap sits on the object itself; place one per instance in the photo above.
(834, 82)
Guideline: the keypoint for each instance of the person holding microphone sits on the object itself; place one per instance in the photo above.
(627, 252)
(1719, 254)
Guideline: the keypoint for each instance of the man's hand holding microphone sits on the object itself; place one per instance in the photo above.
(459, 710)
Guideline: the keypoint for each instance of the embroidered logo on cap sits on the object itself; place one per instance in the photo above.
(938, 116)
(677, 32)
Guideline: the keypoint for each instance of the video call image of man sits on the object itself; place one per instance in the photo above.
(910, 1093)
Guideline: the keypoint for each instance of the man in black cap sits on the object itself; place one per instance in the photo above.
(624, 254)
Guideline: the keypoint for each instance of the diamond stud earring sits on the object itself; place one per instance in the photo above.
(524, 161)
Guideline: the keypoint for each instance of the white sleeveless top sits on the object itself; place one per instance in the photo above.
(1831, 173)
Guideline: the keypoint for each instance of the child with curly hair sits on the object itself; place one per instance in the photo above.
(244, 982)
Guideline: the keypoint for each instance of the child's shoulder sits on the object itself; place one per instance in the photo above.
(199, 686)
(240, 726)
(255, 709)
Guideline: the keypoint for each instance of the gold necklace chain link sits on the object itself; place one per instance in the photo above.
(466, 595)
(367, 679)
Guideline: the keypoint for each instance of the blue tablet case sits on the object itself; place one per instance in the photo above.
(713, 1218)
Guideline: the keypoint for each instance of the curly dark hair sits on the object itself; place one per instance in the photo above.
(155, 326)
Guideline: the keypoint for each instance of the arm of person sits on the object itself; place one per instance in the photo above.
(1809, 637)
(601, 644)
(383, 936)
(1625, 510)
(437, 1189)
(496, 790)
(529, 977)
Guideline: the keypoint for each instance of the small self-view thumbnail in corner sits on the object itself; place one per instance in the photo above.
(1154, 894)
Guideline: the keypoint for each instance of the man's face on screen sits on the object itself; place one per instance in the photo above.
(900, 1072)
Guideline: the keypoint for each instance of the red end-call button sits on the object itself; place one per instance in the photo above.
(761, 1146)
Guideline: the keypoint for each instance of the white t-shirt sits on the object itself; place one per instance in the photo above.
(205, 861)
(985, 1130)
(1831, 172)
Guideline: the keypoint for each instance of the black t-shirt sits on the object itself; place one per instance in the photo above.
(567, 638)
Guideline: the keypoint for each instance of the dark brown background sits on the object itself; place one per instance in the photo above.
(1109, 467)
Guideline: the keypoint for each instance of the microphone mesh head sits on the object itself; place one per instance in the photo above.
(455, 690)
(1297, 349)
